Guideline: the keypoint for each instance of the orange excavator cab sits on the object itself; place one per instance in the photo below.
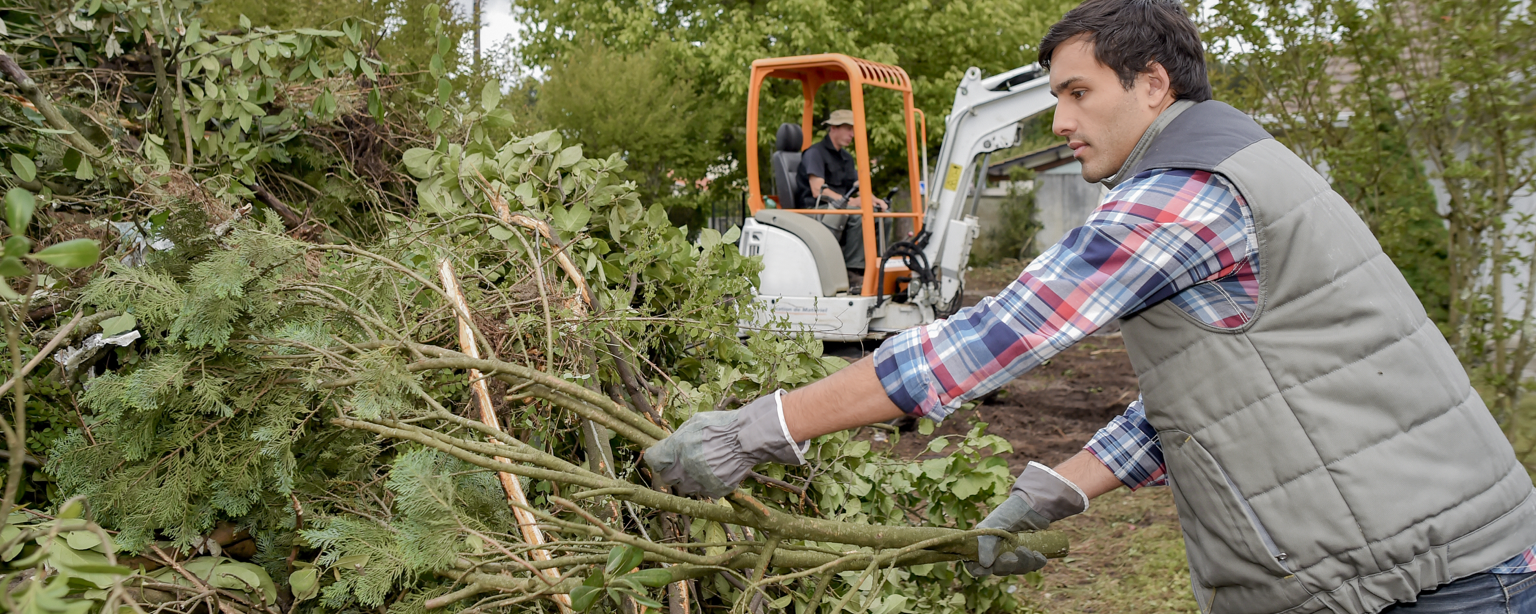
(813, 71)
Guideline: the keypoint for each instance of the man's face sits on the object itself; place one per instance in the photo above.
(1101, 120)
(842, 136)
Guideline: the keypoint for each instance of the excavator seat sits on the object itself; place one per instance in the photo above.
(824, 248)
(786, 160)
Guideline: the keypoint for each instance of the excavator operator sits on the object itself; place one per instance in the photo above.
(824, 180)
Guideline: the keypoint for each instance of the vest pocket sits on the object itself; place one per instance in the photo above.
(1226, 542)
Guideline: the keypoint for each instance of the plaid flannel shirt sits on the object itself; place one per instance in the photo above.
(1177, 235)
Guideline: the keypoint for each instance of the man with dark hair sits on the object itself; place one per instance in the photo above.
(1325, 448)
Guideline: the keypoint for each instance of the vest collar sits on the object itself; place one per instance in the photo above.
(1162, 121)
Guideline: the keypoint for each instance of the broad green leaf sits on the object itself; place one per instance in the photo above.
(490, 95)
(17, 246)
(19, 204)
(84, 171)
(244, 577)
(73, 254)
(112, 327)
(82, 540)
(641, 598)
(10, 266)
(305, 583)
(967, 487)
(622, 559)
(419, 161)
(117, 570)
(651, 577)
(925, 427)
(582, 597)
(77, 561)
(23, 167)
(355, 562)
(501, 233)
(568, 156)
(74, 510)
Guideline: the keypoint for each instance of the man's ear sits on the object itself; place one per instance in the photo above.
(1155, 84)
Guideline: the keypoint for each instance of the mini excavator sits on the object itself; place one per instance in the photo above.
(908, 282)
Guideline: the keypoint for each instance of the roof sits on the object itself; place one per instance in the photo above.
(1038, 160)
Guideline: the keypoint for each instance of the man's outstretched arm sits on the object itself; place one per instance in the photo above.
(850, 398)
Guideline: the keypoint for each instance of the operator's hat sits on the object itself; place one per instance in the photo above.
(840, 117)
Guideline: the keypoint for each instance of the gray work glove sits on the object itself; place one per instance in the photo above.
(715, 450)
(1040, 496)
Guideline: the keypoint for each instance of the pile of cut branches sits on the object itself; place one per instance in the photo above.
(437, 397)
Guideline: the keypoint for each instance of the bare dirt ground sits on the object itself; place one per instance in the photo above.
(1127, 553)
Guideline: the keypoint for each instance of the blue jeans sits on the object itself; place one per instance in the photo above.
(1484, 593)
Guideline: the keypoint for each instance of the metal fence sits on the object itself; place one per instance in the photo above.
(725, 215)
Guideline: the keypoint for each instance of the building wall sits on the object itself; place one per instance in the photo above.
(1063, 201)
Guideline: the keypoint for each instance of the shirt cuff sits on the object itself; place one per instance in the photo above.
(905, 374)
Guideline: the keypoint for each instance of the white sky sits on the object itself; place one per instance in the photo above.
(498, 28)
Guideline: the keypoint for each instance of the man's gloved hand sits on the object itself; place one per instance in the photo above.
(1039, 497)
(713, 451)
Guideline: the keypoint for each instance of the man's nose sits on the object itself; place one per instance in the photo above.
(1063, 124)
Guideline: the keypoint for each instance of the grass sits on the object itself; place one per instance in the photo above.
(1127, 557)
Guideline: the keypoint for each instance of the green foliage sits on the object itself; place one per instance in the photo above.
(640, 107)
(707, 48)
(262, 328)
(1013, 237)
(1441, 86)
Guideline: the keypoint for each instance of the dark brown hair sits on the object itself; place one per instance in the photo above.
(1128, 35)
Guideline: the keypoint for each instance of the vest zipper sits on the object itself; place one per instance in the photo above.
(1258, 527)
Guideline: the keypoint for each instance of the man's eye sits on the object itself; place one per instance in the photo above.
(1077, 94)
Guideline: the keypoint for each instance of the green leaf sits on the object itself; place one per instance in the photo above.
(642, 599)
(653, 578)
(435, 65)
(622, 559)
(305, 583)
(925, 427)
(82, 540)
(84, 172)
(112, 327)
(568, 156)
(501, 233)
(355, 562)
(10, 266)
(582, 597)
(117, 570)
(74, 254)
(490, 95)
(17, 246)
(23, 167)
(419, 161)
(968, 486)
(74, 510)
(19, 204)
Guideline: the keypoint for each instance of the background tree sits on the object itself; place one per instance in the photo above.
(1423, 113)
(708, 47)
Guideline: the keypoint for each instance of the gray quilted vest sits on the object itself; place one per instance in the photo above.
(1331, 455)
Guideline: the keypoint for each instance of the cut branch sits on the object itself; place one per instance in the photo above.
(45, 107)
